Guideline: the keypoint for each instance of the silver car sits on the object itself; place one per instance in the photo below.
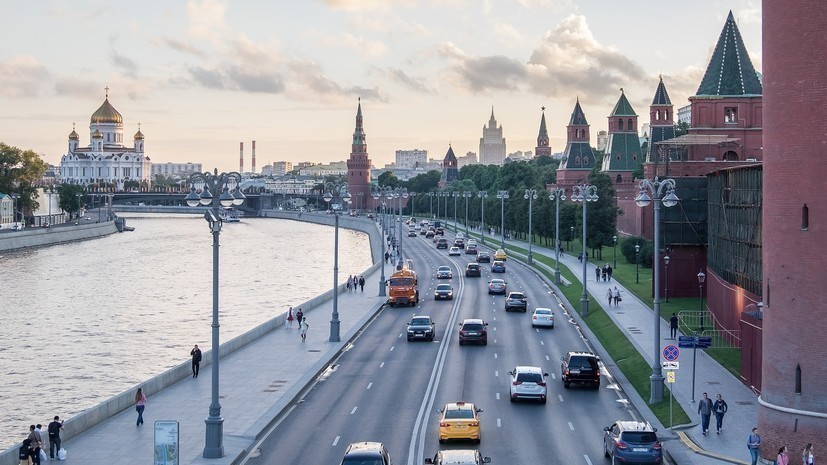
(542, 317)
(528, 382)
(444, 272)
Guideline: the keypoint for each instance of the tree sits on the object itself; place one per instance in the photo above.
(68, 197)
(389, 179)
(425, 182)
(20, 173)
(681, 128)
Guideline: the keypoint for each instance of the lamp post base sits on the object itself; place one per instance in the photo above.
(214, 447)
(530, 259)
(584, 306)
(656, 390)
(556, 276)
(334, 330)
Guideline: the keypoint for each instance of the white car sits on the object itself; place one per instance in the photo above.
(472, 242)
(542, 317)
(528, 382)
(454, 251)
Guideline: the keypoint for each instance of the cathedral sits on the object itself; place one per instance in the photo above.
(106, 161)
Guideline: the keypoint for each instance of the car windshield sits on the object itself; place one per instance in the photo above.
(472, 266)
(401, 281)
(459, 414)
(444, 268)
(583, 363)
(542, 312)
(443, 287)
(529, 377)
(516, 295)
(640, 437)
(472, 327)
(362, 461)
(420, 322)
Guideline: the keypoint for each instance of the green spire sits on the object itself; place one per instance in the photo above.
(730, 71)
(578, 118)
(623, 107)
(661, 96)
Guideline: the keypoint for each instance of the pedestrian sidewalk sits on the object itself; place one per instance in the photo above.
(256, 383)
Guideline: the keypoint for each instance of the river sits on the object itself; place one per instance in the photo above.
(84, 321)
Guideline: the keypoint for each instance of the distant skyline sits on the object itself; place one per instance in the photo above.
(202, 76)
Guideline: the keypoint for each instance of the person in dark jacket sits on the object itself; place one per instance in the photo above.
(196, 360)
(720, 408)
(705, 409)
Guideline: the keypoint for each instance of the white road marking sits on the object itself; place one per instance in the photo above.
(571, 427)
(589, 462)
(498, 396)
(547, 358)
(369, 385)
(553, 376)
(400, 335)
(392, 347)
(354, 410)
(499, 423)
(496, 373)
(542, 343)
(560, 396)
(336, 441)
(381, 364)
(495, 355)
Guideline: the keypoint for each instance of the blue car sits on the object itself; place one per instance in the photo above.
(632, 441)
(498, 267)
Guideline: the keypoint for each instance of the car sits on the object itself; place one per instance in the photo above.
(458, 457)
(500, 255)
(423, 232)
(360, 453)
(632, 441)
(460, 235)
(412, 233)
(498, 267)
(473, 330)
(473, 270)
(471, 249)
(459, 420)
(454, 251)
(472, 242)
(370, 216)
(459, 243)
(528, 382)
(497, 286)
(580, 368)
(542, 317)
(444, 292)
(440, 231)
(420, 327)
(444, 272)
(442, 243)
(516, 301)
(483, 257)
(428, 234)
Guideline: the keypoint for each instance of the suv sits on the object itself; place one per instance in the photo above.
(421, 327)
(528, 383)
(473, 330)
(580, 367)
(632, 441)
(360, 453)
(442, 243)
(516, 301)
(473, 269)
(458, 457)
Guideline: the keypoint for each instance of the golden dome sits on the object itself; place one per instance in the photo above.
(139, 135)
(97, 134)
(106, 114)
(73, 135)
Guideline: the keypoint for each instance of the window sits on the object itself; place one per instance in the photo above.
(730, 115)
(805, 218)
(730, 156)
(620, 125)
(629, 125)
(798, 379)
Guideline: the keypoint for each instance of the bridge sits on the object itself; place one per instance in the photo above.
(255, 202)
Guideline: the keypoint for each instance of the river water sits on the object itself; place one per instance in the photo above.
(84, 321)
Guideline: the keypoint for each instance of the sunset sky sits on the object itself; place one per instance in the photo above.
(203, 75)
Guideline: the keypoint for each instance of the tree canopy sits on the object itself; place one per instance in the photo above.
(20, 173)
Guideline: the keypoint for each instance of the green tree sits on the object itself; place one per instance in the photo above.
(20, 173)
(681, 128)
(389, 179)
(68, 197)
(422, 183)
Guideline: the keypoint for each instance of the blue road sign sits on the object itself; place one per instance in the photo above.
(690, 342)
(671, 353)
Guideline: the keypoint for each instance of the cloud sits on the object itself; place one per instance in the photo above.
(180, 46)
(206, 19)
(415, 84)
(358, 5)
(255, 81)
(211, 79)
(77, 87)
(483, 74)
(129, 66)
(22, 76)
(369, 49)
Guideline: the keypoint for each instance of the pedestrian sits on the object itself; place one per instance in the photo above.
(140, 405)
(609, 270)
(387, 256)
(705, 409)
(605, 272)
(753, 444)
(25, 452)
(54, 436)
(580, 257)
(616, 296)
(673, 326)
(609, 296)
(290, 318)
(806, 454)
(35, 442)
(303, 326)
(783, 458)
(348, 284)
(299, 317)
(720, 408)
(597, 273)
(362, 283)
(196, 360)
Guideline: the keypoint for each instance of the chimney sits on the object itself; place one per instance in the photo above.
(241, 157)
(254, 157)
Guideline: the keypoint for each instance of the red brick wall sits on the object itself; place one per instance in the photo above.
(795, 316)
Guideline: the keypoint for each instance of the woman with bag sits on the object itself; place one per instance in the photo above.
(807, 455)
(140, 404)
(290, 318)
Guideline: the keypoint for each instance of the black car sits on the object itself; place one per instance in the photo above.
(473, 270)
(473, 330)
(580, 367)
(359, 453)
(516, 301)
(483, 256)
(444, 291)
(421, 327)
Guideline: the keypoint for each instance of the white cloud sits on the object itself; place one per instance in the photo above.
(206, 19)
(22, 76)
(369, 49)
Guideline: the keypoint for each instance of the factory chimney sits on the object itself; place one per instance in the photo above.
(241, 157)
(254, 157)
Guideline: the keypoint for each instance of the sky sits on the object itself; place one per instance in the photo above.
(201, 76)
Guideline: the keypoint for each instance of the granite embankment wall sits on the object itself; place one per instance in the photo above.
(40, 237)
(126, 400)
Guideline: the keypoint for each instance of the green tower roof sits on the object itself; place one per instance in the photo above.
(661, 96)
(578, 118)
(730, 71)
(623, 107)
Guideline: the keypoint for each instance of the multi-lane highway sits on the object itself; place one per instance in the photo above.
(385, 389)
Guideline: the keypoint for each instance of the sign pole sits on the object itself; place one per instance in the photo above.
(671, 398)
(694, 356)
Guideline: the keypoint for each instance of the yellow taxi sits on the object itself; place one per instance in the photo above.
(500, 255)
(459, 420)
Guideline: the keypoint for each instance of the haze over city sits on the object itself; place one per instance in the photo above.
(202, 76)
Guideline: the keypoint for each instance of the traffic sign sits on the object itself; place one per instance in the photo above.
(670, 376)
(670, 365)
(671, 353)
(700, 342)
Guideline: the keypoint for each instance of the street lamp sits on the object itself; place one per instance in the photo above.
(614, 244)
(446, 195)
(400, 193)
(79, 196)
(456, 195)
(571, 236)
(530, 194)
(359, 200)
(431, 195)
(584, 193)
(701, 279)
(557, 194)
(666, 277)
(637, 263)
(466, 195)
(214, 182)
(663, 192)
(482, 195)
(334, 190)
(14, 198)
(377, 194)
(502, 195)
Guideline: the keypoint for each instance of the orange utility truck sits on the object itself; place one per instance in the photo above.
(402, 287)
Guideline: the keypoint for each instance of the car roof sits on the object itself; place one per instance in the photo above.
(497, 280)
(473, 321)
(543, 308)
(528, 369)
(460, 456)
(420, 316)
(442, 267)
(498, 262)
(472, 265)
(443, 285)
(579, 352)
(367, 448)
(516, 292)
(635, 426)
(483, 252)
(460, 405)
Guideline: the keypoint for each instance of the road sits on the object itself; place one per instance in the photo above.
(383, 388)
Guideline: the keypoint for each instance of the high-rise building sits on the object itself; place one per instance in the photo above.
(492, 143)
(281, 168)
(411, 159)
(173, 169)
(602, 140)
(470, 158)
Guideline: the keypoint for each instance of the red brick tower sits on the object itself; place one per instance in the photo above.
(793, 398)
(578, 158)
(358, 165)
(542, 149)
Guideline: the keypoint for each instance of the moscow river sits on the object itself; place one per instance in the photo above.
(84, 321)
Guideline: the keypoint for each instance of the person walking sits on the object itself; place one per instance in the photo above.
(299, 317)
(782, 458)
(35, 443)
(673, 326)
(705, 409)
(362, 283)
(720, 408)
(616, 296)
(196, 360)
(349, 283)
(303, 326)
(387, 256)
(754, 444)
(290, 318)
(597, 273)
(140, 405)
(609, 295)
(807, 455)
(54, 436)
(609, 271)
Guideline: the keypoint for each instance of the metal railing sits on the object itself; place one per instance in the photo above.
(707, 325)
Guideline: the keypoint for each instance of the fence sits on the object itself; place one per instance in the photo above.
(707, 325)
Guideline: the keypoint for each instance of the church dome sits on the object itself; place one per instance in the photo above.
(106, 114)
(139, 135)
(97, 134)
(73, 135)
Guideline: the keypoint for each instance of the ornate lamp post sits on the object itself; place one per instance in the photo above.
(466, 195)
(663, 192)
(446, 194)
(218, 183)
(584, 193)
(557, 194)
(359, 203)
(431, 195)
(456, 195)
(401, 194)
(14, 198)
(530, 194)
(79, 196)
(482, 195)
(377, 194)
(701, 279)
(614, 244)
(571, 236)
(637, 263)
(333, 191)
(666, 277)
(502, 195)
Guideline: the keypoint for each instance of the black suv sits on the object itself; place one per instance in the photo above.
(516, 301)
(473, 330)
(421, 327)
(473, 269)
(580, 367)
(359, 453)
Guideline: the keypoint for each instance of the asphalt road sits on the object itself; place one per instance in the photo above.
(383, 388)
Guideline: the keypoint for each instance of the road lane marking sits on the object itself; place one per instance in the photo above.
(381, 364)
(571, 427)
(589, 462)
(499, 423)
(400, 335)
(392, 347)
(354, 410)
(369, 385)
(495, 355)
(553, 376)
(335, 441)
(542, 343)
(496, 373)
(547, 358)
(498, 396)
(560, 396)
